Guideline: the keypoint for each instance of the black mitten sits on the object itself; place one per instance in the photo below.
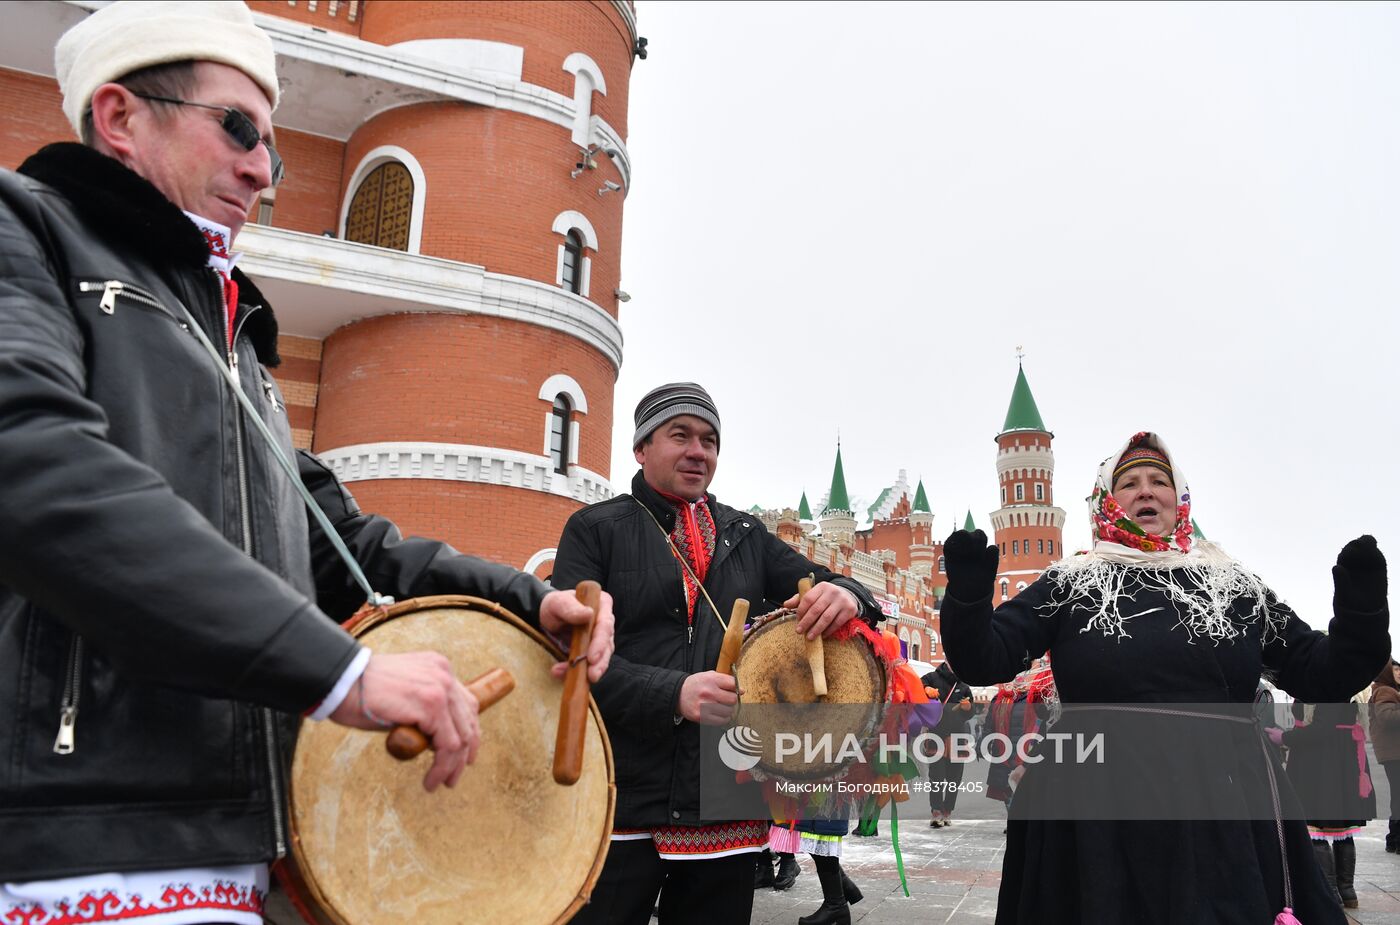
(971, 565)
(1359, 576)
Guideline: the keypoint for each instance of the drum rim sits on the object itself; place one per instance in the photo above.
(291, 869)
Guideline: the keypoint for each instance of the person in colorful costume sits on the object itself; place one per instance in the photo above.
(1328, 768)
(675, 560)
(1154, 615)
(1018, 709)
(167, 610)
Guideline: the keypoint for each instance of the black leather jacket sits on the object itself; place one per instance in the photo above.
(616, 543)
(156, 568)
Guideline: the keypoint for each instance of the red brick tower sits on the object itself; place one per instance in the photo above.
(1028, 527)
(444, 255)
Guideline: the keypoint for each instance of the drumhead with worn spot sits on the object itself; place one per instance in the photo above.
(506, 845)
(776, 694)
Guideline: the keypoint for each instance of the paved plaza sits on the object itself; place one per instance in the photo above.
(954, 874)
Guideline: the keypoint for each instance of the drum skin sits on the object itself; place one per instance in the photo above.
(506, 845)
(776, 694)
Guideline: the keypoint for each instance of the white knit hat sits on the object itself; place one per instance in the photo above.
(131, 34)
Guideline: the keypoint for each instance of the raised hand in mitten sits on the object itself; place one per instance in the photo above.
(971, 565)
(1359, 576)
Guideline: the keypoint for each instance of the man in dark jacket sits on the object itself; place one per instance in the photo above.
(159, 578)
(945, 774)
(675, 559)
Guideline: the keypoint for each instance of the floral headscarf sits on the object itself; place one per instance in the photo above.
(1198, 577)
(1110, 523)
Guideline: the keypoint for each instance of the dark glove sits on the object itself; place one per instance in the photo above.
(1358, 576)
(971, 565)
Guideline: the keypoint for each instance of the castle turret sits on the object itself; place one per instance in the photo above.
(1028, 528)
(921, 550)
(838, 521)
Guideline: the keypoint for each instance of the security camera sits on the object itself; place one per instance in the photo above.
(640, 49)
(612, 152)
(609, 186)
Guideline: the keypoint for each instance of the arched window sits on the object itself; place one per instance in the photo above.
(559, 434)
(1005, 589)
(914, 649)
(573, 262)
(941, 568)
(381, 212)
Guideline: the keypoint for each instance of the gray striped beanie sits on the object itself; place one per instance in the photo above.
(672, 400)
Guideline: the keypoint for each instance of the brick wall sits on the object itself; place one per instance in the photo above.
(456, 378)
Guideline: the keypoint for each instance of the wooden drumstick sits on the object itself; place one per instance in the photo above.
(573, 712)
(733, 637)
(408, 742)
(816, 652)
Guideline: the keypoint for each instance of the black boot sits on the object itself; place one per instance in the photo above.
(849, 889)
(1345, 854)
(788, 869)
(1323, 852)
(763, 870)
(1392, 837)
(834, 909)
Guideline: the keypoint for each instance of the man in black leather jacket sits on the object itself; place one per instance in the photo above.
(661, 683)
(159, 578)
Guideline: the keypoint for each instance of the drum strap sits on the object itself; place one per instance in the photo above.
(375, 598)
(684, 564)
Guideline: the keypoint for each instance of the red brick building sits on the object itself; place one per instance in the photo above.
(444, 254)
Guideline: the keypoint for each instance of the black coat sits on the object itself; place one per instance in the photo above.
(616, 543)
(137, 586)
(1081, 867)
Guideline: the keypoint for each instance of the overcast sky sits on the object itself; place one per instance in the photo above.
(847, 216)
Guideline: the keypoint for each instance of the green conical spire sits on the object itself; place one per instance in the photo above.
(804, 510)
(1196, 529)
(837, 499)
(968, 525)
(921, 500)
(755, 510)
(1022, 414)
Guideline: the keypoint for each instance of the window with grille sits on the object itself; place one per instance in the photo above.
(382, 211)
(941, 567)
(1020, 492)
(573, 262)
(559, 434)
(1040, 491)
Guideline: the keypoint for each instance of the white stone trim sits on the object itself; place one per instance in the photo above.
(375, 158)
(538, 559)
(570, 220)
(587, 277)
(588, 79)
(629, 16)
(563, 382)
(490, 60)
(320, 272)
(455, 462)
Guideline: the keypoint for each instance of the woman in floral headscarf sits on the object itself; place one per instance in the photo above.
(1156, 636)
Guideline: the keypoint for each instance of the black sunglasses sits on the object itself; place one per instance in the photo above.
(238, 127)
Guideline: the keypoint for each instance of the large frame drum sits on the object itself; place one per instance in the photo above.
(506, 845)
(777, 695)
